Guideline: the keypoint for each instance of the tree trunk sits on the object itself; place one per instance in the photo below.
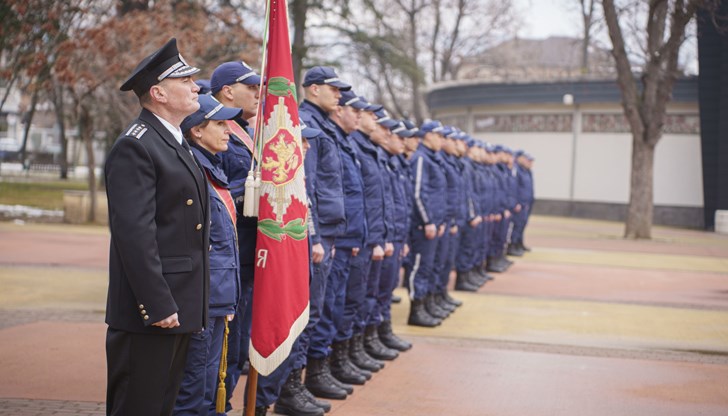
(26, 130)
(85, 129)
(58, 104)
(299, 8)
(640, 209)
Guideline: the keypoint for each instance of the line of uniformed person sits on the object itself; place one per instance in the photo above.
(389, 203)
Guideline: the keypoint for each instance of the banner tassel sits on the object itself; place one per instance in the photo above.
(222, 373)
(251, 196)
(256, 192)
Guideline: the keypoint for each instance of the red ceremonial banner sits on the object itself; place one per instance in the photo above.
(280, 292)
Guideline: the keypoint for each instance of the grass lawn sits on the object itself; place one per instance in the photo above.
(45, 195)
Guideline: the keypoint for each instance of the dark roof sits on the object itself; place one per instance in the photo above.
(473, 94)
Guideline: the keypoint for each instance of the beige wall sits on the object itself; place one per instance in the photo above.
(601, 169)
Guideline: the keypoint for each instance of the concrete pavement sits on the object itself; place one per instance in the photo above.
(586, 324)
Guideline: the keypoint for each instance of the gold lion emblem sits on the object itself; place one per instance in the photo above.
(286, 159)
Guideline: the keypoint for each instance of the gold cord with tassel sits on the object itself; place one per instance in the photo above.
(222, 373)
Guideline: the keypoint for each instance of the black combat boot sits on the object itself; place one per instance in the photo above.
(433, 309)
(320, 382)
(359, 357)
(374, 347)
(524, 248)
(455, 302)
(495, 265)
(463, 283)
(514, 250)
(418, 316)
(294, 401)
(443, 304)
(477, 277)
(341, 368)
(389, 338)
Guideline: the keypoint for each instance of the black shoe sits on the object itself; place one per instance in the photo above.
(320, 382)
(522, 247)
(433, 309)
(374, 347)
(245, 369)
(443, 304)
(476, 277)
(455, 302)
(514, 250)
(341, 367)
(418, 316)
(396, 299)
(391, 340)
(359, 357)
(495, 266)
(463, 283)
(294, 400)
(293, 383)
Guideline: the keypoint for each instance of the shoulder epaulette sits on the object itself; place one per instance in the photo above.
(136, 130)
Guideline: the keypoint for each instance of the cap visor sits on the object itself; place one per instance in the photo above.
(341, 85)
(388, 123)
(227, 113)
(252, 80)
(359, 105)
(310, 132)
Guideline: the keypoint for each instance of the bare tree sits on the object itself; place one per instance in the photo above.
(588, 20)
(645, 95)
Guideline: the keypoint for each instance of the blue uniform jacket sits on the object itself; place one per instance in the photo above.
(401, 212)
(385, 172)
(471, 204)
(524, 195)
(224, 276)
(236, 164)
(323, 175)
(374, 196)
(430, 187)
(454, 190)
(356, 223)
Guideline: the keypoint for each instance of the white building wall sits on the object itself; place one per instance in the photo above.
(601, 168)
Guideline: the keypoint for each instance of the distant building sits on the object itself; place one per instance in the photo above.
(575, 128)
(556, 58)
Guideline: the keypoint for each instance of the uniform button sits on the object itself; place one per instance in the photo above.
(146, 317)
(143, 312)
(189, 202)
(141, 306)
(198, 227)
(209, 248)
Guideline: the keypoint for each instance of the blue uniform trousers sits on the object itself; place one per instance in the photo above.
(388, 279)
(486, 242)
(419, 273)
(347, 323)
(369, 314)
(323, 333)
(317, 291)
(498, 237)
(452, 252)
(442, 254)
(199, 384)
(520, 219)
(470, 249)
(239, 336)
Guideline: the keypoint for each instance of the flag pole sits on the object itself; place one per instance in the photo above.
(252, 182)
(252, 389)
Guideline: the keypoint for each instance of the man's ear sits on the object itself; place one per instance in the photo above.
(158, 93)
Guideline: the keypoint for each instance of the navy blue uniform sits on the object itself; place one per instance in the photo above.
(199, 385)
(328, 218)
(524, 196)
(379, 206)
(469, 245)
(430, 188)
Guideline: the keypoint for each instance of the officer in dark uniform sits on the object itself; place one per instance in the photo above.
(524, 196)
(159, 222)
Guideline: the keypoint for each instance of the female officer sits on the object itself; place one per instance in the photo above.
(207, 132)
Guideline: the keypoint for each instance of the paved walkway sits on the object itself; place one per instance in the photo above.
(586, 324)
